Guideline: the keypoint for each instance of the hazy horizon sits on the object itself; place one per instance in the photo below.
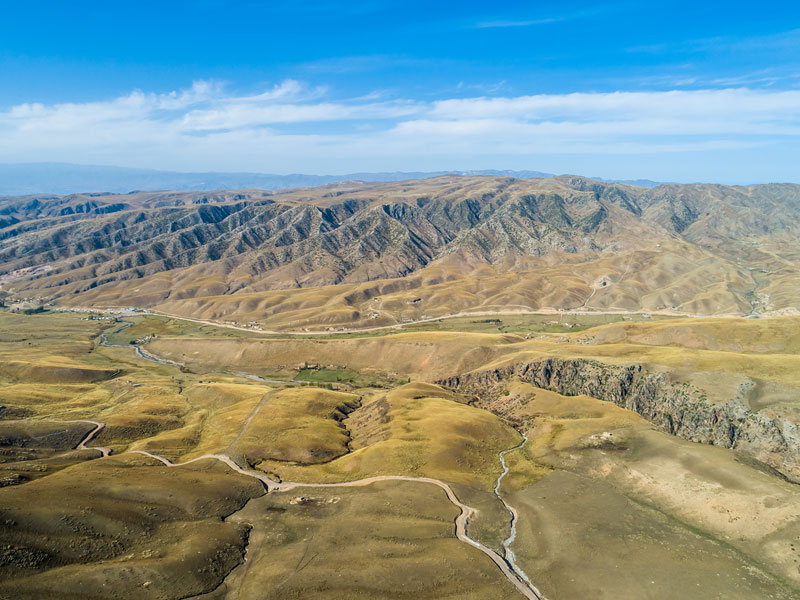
(68, 178)
(680, 92)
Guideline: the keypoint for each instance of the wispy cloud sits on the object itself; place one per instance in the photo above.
(783, 40)
(522, 23)
(531, 21)
(485, 88)
(762, 78)
(361, 64)
(290, 126)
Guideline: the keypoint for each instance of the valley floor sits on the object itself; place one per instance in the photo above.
(159, 457)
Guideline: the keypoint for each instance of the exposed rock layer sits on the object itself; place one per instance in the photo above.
(253, 240)
(678, 408)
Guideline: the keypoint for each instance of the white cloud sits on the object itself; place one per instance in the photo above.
(551, 19)
(520, 23)
(291, 127)
(696, 106)
(255, 114)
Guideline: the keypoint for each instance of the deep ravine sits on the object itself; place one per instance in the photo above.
(515, 575)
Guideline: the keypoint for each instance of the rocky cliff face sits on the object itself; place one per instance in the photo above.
(677, 408)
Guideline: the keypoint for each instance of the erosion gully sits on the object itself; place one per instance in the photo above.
(505, 562)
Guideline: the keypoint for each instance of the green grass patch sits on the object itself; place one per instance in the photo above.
(349, 376)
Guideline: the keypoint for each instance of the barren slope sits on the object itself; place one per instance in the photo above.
(455, 242)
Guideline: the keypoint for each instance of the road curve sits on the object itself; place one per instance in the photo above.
(509, 569)
(270, 484)
(507, 566)
(461, 522)
(90, 436)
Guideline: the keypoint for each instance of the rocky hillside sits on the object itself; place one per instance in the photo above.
(57, 247)
(674, 406)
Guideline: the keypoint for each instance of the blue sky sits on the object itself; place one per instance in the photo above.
(672, 90)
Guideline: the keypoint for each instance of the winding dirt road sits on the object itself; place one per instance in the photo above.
(90, 436)
(462, 520)
(515, 575)
(270, 484)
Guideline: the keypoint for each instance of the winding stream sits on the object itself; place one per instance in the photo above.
(144, 354)
(507, 563)
(507, 551)
(104, 336)
(511, 572)
(140, 352)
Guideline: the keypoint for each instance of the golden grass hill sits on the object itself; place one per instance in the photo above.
(459, 387)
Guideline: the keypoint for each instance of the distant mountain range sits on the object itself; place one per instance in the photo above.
(434, 246)
(65, 178)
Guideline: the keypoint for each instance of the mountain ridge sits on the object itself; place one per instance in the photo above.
(707, 249)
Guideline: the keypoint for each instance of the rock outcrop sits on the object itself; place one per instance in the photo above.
(677, 408)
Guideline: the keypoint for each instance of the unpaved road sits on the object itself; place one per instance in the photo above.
(270, 484)
(462, 520)
(401, 326)
(232, 446)
(90, 436)
(506, 564)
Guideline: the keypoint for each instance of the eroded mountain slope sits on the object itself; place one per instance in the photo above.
(700, 248)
